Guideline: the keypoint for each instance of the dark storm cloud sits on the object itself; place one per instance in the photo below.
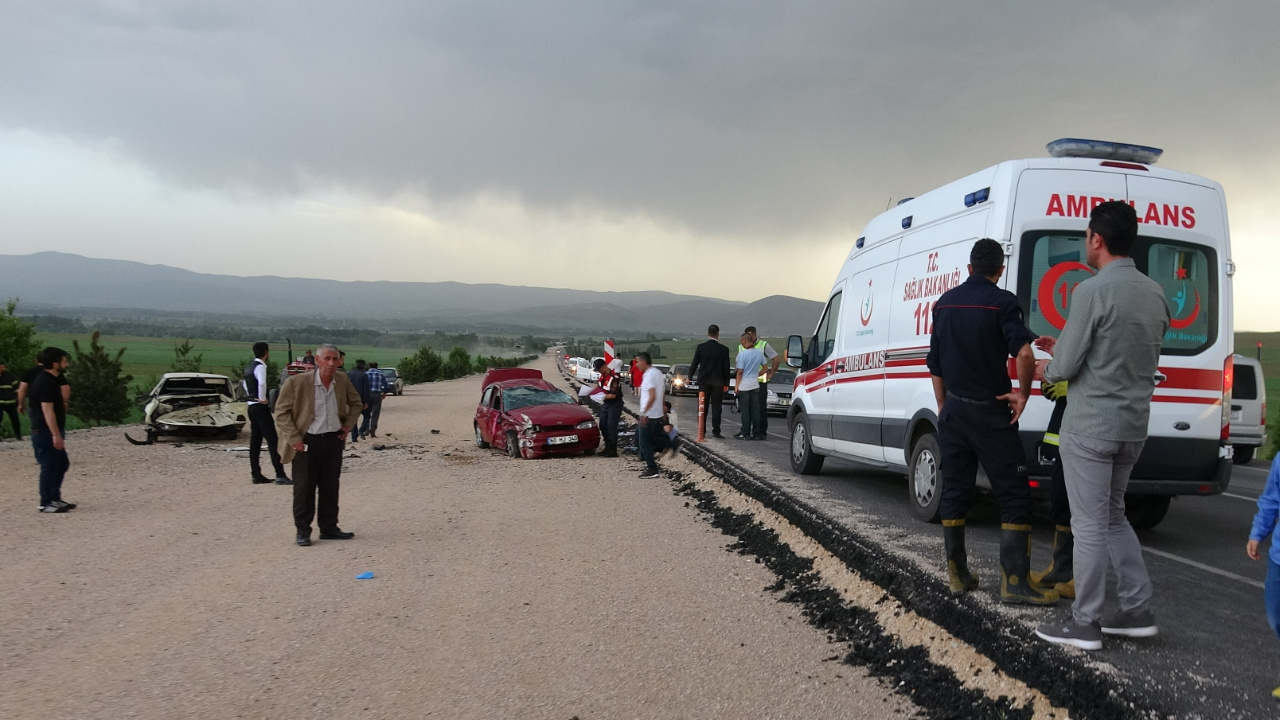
(731, 117)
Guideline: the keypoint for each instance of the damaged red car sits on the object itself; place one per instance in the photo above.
(529, 417)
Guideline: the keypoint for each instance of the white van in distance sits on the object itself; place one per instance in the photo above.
(864, 393)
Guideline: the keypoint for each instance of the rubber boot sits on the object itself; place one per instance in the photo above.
(1015, 565)
(962, 581)
(1059, 570)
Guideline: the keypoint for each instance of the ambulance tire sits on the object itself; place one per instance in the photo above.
(924, 481)
(1146, 511)
(803, 459)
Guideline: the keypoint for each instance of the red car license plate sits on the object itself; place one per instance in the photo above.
(562, 440)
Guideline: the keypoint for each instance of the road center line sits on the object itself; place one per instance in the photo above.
(1241, 497)
(1207, 568)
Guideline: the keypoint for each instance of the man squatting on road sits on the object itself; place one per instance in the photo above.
(261, 425)
(49, 427)
(1109, 350)
(650, 435)
(977, 326)
(314, 412)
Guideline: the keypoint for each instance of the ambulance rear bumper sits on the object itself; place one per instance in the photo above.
(1167, 466)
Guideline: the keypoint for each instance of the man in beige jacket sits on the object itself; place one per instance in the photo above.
(314, 412)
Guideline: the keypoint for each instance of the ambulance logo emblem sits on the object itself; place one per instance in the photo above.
(868, 306)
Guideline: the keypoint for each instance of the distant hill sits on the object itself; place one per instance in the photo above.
(60, 283)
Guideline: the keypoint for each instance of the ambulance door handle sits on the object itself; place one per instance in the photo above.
(1161, 377)
(839, 367)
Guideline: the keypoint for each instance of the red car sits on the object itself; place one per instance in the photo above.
(531, 418)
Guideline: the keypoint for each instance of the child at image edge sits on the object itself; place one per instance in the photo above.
(1263, 523)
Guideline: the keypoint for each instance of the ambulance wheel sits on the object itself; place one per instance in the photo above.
(1146, 511)
(480, 443)
(924, 481)
(803, 459)
(1242, 455)
(513, 444)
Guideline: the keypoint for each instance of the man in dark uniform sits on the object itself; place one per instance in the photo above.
(710, 369)
(9, 399)
(610, 405)
(977, 326)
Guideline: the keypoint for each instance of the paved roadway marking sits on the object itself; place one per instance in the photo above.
(1240, 497)
(1206, 568)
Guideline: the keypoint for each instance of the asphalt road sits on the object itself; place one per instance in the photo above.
(1216, 655)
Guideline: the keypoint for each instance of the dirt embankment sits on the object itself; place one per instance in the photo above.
(503, 588)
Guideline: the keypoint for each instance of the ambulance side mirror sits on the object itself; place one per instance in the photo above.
(795, 351)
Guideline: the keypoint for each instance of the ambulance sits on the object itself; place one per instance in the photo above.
(864, 394)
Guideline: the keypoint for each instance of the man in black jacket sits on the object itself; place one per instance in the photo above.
(710, 369)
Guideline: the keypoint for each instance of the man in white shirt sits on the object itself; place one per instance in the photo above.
(748, 363)
(650, 436)
(261, 426)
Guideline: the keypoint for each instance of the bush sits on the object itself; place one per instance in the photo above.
(99, 393)
(457, 365)
(184, 361)
(422, 366)
(18, 343)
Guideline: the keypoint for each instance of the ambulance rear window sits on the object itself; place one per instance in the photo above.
(1053, 264)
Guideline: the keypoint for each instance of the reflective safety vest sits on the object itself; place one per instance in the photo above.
(1057, 392)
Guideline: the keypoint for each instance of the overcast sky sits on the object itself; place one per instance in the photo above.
(732, 149)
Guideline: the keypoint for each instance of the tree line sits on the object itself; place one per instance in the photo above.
(100, 389)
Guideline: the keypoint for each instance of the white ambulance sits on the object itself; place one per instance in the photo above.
(865, 395)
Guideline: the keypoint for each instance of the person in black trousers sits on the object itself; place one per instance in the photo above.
(262, 427)
(9, 399)
(977, 327)
(611, 406)
(710, 369)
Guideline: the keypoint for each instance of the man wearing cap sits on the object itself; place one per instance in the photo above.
(611, 405)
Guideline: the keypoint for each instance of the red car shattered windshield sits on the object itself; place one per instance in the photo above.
(515, 398)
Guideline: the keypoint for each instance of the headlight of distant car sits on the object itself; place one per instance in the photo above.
(677, 381)
(585, 425)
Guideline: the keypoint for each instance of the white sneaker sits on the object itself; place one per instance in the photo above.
(52, 509)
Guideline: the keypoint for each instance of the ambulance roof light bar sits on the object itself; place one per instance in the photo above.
(1103, 150)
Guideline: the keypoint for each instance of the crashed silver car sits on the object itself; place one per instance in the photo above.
(193, 404)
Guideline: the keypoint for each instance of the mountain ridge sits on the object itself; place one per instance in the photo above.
(55, 282)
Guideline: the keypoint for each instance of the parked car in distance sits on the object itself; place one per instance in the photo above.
(679, 382)
(780, 387)
(395, 383)
(581, 369)
(528, 417)
(1248, 410)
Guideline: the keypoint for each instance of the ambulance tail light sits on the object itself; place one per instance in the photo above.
(1228, 381)
(1263, 420)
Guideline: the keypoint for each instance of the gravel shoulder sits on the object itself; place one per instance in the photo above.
(542, 589)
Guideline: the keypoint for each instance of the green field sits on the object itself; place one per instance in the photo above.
(145, 356)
